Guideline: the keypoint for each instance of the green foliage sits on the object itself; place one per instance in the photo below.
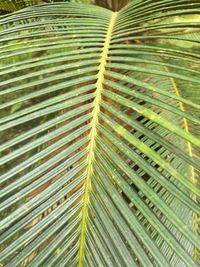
(7, 6)
(99, 130)
(13, 5)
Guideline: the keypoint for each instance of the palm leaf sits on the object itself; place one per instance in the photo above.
(99, 136)
(10, 6)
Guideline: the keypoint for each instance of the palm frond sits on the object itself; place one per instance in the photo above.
(99, 136)
(10, 6)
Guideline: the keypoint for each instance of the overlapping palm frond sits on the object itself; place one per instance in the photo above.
(7, 6)
(10, 6)
(99, 136)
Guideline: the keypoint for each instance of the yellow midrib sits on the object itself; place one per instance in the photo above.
(93, 133)
(185, 123)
